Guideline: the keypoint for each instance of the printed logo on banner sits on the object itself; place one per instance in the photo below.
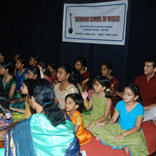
(102, 23)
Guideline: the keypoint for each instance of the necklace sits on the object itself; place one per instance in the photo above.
(21, 72)
(4, 83)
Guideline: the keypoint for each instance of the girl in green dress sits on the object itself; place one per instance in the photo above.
(9, 81)
(100, 102)
(127, 133)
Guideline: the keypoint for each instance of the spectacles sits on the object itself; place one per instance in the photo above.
(128, 94)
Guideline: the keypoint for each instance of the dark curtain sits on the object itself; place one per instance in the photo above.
(35, 27)
(31, 27)
(142, 38)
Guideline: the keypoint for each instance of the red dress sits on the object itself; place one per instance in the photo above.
(54, 78)
(86, 78)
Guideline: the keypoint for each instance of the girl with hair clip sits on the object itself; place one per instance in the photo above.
(65, 86)
(9, 82)
(52, 66)
(45, 73)
(81, 65)
(48, 132)
(73, 105)
(127, 133)
(21, 75)
(34, 60)
(100, 102)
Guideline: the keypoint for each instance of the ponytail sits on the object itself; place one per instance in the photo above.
(104, 81)
(108, 94)
(54, 114)
(43, 92)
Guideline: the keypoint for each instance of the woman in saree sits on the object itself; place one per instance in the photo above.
(48, 132)
(81, 65)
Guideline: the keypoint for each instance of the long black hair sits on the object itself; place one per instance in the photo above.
(104, 81)
(135, 89)
(43, 92)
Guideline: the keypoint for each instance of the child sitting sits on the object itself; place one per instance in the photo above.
(73, 104)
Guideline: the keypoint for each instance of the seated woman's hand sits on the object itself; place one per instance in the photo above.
(100, 124)
(89, 127)
(119, 137)
(11, 108)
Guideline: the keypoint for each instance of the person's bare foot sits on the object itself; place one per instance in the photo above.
(97, 138)
(152, 122)
(126, 148)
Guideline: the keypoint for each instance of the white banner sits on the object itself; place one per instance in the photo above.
(102, 23)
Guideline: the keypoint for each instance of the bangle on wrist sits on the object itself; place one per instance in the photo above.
(122, 135)
(106, 122)
(85, 104)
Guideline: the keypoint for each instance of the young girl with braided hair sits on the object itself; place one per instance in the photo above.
(100, 102)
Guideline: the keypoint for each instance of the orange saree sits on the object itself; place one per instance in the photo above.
(82, 134)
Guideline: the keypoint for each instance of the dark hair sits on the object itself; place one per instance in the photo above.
(66, 67)
(27, 82)
(104, 81)
(7, 65)
(75, 77)
(44, 66)
(135, 89)
(43, 92)
(108, 65)
(77, 98)
(152, 60)
(82, 61)
(53, 65)
(19, 54)
(36, 58)
(2, 53)
(35, 70)
(22, 61)
(4, 100)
